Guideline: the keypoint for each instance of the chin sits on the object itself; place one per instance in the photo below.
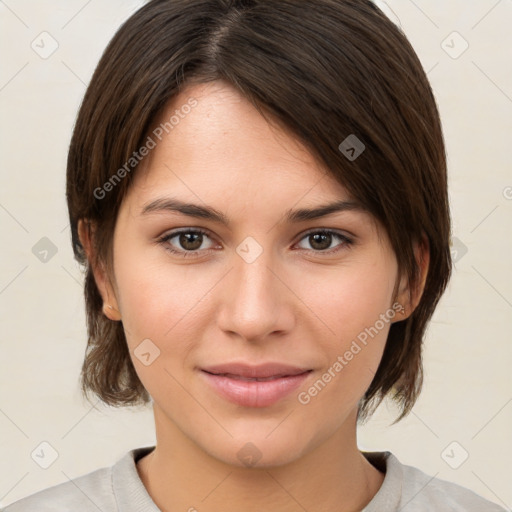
(256, 449)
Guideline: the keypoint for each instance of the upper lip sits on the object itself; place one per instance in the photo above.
(256, 371)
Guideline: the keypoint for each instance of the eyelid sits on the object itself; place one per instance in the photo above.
(339, 232)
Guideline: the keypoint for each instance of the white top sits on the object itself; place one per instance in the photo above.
(119, 489)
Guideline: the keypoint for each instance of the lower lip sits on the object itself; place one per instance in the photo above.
(255, 393)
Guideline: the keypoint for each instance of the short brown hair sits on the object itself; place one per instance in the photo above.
(324, 69)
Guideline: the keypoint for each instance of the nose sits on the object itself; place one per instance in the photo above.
(256, 301)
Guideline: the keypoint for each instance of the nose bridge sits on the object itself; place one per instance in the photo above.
(255, 302)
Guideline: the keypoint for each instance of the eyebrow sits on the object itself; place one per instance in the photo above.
(169, 204)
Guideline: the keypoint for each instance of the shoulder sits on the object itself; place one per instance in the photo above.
(422, 492)
(108, 489)
(90, 492)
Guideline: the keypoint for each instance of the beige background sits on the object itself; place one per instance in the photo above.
(467, 398)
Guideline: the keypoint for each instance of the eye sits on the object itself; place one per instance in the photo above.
(321, 240)
(190, 241)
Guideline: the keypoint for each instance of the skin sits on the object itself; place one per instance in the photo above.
(294, 303)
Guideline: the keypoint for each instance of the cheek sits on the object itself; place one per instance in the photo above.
(159, 303)
(351, 299)
(155, 294)
(353, 317)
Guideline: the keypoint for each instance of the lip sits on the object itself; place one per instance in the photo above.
(237, 382)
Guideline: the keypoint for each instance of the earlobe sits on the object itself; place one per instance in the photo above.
(111, 313)
(110, 307)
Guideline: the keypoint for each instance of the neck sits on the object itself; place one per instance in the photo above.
(335, 476)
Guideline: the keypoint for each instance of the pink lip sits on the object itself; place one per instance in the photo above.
(237, 382)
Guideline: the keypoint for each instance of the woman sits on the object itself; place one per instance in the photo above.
(219, 147)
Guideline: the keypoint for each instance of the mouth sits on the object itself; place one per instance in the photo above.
(253, 379)
(254, 386)
(272, 370)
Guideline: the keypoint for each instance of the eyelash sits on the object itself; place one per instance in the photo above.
(346, 242)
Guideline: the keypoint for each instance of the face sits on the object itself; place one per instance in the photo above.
(302, 304)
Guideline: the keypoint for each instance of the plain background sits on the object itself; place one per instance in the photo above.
(466, 405)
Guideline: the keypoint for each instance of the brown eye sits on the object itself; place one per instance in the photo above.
(191, 241)
(321, 241)
(188, 242)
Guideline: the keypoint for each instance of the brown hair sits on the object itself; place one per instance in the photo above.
(325, 70)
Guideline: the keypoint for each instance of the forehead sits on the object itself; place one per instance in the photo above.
(223, 144)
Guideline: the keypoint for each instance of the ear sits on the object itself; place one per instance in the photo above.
(409, 296)
(110, 305)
